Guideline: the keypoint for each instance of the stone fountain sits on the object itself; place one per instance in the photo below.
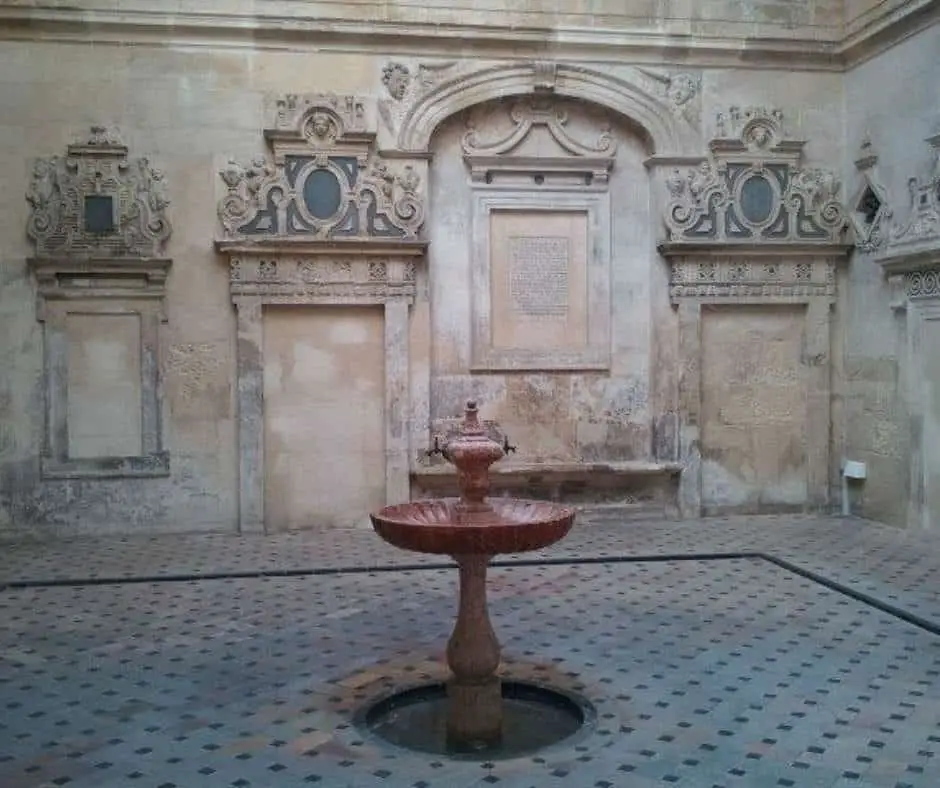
(472, 530)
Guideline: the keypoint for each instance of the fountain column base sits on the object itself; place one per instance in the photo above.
(475, 716)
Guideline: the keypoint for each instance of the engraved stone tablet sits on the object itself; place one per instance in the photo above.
(538, 275)
(538, 280)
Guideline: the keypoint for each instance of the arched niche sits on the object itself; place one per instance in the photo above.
(657, 103)
(545, 296)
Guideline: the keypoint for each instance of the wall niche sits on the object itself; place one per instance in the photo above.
(99, 227)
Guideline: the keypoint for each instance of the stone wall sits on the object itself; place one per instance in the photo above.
(813, 19)
(878, 427)
(191, 109)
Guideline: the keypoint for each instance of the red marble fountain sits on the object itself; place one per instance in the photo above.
(472, 530)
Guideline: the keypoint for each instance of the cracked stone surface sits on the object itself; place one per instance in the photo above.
(708, 665)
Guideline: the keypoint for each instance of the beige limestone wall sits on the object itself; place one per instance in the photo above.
(189, 109)
(893, 99)
(185, 110)
(324, 422)
(549, 415)
(815, 19)
(754, 400)
(104, 389)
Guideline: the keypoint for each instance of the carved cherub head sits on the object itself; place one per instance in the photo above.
(320, 125)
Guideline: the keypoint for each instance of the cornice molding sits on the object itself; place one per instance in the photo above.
(260, 31)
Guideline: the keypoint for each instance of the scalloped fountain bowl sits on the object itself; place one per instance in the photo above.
(515, 525)
(477, 709)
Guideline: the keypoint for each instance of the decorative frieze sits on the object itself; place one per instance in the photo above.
(751, 278)
(307, 279)
(751, 189)
(924, 283)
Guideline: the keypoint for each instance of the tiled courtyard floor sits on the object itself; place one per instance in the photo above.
(730, 652)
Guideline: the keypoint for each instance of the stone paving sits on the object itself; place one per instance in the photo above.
(708, 663)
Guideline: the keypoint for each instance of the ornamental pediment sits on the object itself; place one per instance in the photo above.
(322, 183)
(752, 189)
(95, 202)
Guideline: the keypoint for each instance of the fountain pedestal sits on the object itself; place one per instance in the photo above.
(475, 716)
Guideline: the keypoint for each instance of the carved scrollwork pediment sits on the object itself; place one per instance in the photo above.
(96, 202)
(913, 246)
(537, 134)
(324, 181)
(752, 189)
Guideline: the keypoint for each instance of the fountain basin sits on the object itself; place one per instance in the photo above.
(535, 717)
(441, 526)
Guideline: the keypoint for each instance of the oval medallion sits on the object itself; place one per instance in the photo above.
(322, 194)
(757, 199)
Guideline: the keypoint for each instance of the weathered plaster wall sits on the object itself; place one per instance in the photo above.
(185, 110)
(893, 99)
(754, 401)
(324, 425)
(550, 415)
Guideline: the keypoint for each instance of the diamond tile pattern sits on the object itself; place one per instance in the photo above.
(705, 672)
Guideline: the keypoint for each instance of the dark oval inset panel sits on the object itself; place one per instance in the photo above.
(322, 194)
(757, 199)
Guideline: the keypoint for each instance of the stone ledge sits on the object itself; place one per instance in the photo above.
(506, 469)
(645, 488)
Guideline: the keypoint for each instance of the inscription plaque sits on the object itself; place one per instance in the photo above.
(538, 275)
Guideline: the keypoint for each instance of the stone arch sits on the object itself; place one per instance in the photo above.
(666, 131)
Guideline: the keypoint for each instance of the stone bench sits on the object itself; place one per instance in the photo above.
(602, 490)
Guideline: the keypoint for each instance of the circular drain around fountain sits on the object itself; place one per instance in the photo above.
(534, 717)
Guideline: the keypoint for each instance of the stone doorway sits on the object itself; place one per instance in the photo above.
(324, 416)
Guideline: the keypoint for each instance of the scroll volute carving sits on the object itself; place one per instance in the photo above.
(752, 189)
(324, 181)
(537, 134)
(96, 202)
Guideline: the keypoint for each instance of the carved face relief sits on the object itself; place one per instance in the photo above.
(396, 77)
(681, 89)
(320, 125)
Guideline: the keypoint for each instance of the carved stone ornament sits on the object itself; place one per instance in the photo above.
(913, 247)
(396, 77)
(325, 184)
(535, 126)
(98, 222)
(869, 211)
(95, 202)
(683, 92)
(752, 190)
(664, 105)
